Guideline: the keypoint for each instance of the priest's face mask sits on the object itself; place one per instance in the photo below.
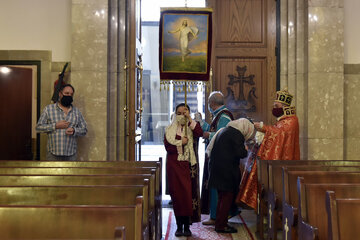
(278, 110)
(180, 115)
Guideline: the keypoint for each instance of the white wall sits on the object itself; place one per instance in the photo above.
(352, 32)
(36, 25)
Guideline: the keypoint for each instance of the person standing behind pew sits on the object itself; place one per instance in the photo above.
(225, 150)
(63, 123)
(281, 141)
(181, 160)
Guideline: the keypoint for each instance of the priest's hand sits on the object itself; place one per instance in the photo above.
(184, 140)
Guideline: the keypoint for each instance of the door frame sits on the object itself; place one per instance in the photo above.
(36, 63)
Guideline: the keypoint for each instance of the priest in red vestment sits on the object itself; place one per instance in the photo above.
(281, 141)
(181, 157)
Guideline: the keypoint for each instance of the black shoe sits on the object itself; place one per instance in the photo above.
(187, 233)
(179, 233)
(227, 229)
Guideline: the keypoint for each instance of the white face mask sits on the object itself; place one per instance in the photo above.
(181, 119)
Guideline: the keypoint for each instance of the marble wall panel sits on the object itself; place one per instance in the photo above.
(89, 74)
(300, 38)
(4, 55)
(301, 111)
(325, 149)
(326, 39)
(303, 148)
(40, 55)
(292, 87)
(291, 32)
(283, 36)
(89, 35)
(91, 149)
(352, 149)
(326, 3)
(352, 106)
(325, 105)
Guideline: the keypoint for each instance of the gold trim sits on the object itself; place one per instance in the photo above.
(126, 110)
(186, 9)
(140, 66)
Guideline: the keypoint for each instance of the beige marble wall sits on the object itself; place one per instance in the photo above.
(325, 79)
(352, 111)
(89, 73)
(314, 72)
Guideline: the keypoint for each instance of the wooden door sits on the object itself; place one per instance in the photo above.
(15, 113)
(243, 55)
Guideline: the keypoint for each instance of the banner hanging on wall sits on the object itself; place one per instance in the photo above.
(185, 44)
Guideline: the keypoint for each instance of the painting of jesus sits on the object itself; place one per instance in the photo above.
(185, 44)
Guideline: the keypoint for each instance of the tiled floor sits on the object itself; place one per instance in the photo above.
(248, 216)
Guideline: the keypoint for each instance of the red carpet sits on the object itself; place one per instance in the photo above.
(201, 232)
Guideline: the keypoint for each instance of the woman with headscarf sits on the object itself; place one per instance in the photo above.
(181, 165)
(225, 150)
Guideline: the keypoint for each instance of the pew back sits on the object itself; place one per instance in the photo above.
(75, 195)
(80, 171)
(312, 198)
(79, 180)
(70, 222)
(344, 217)
(264, 165)
(290, 181)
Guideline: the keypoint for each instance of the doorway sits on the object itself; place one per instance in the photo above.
(19, 110)
(159, 102)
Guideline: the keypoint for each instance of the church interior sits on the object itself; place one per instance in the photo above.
(117, 188)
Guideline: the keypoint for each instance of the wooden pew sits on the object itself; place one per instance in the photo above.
(311, 211)
(71, 222)
(276, 186)
(92, 164)
(79, 180)
(79, 195)
(94, 171)
(343, 217)
(157, 165)
(275, 168)
(291, 199)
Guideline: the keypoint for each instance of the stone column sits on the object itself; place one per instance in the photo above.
(312, 63)
(89, 73)
(325, 87)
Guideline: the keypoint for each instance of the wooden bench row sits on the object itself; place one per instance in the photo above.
(282, 196)
(127, 192)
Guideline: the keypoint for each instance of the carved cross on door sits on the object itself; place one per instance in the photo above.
(241, 80)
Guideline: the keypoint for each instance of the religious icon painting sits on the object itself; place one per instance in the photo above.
(185, 43)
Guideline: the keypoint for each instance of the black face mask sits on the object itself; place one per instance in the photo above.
(66, 101)
(278, 112)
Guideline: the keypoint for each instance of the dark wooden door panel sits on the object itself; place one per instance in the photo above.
(243, 58)
(15, 113)
(242, 22)
(243, 82)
